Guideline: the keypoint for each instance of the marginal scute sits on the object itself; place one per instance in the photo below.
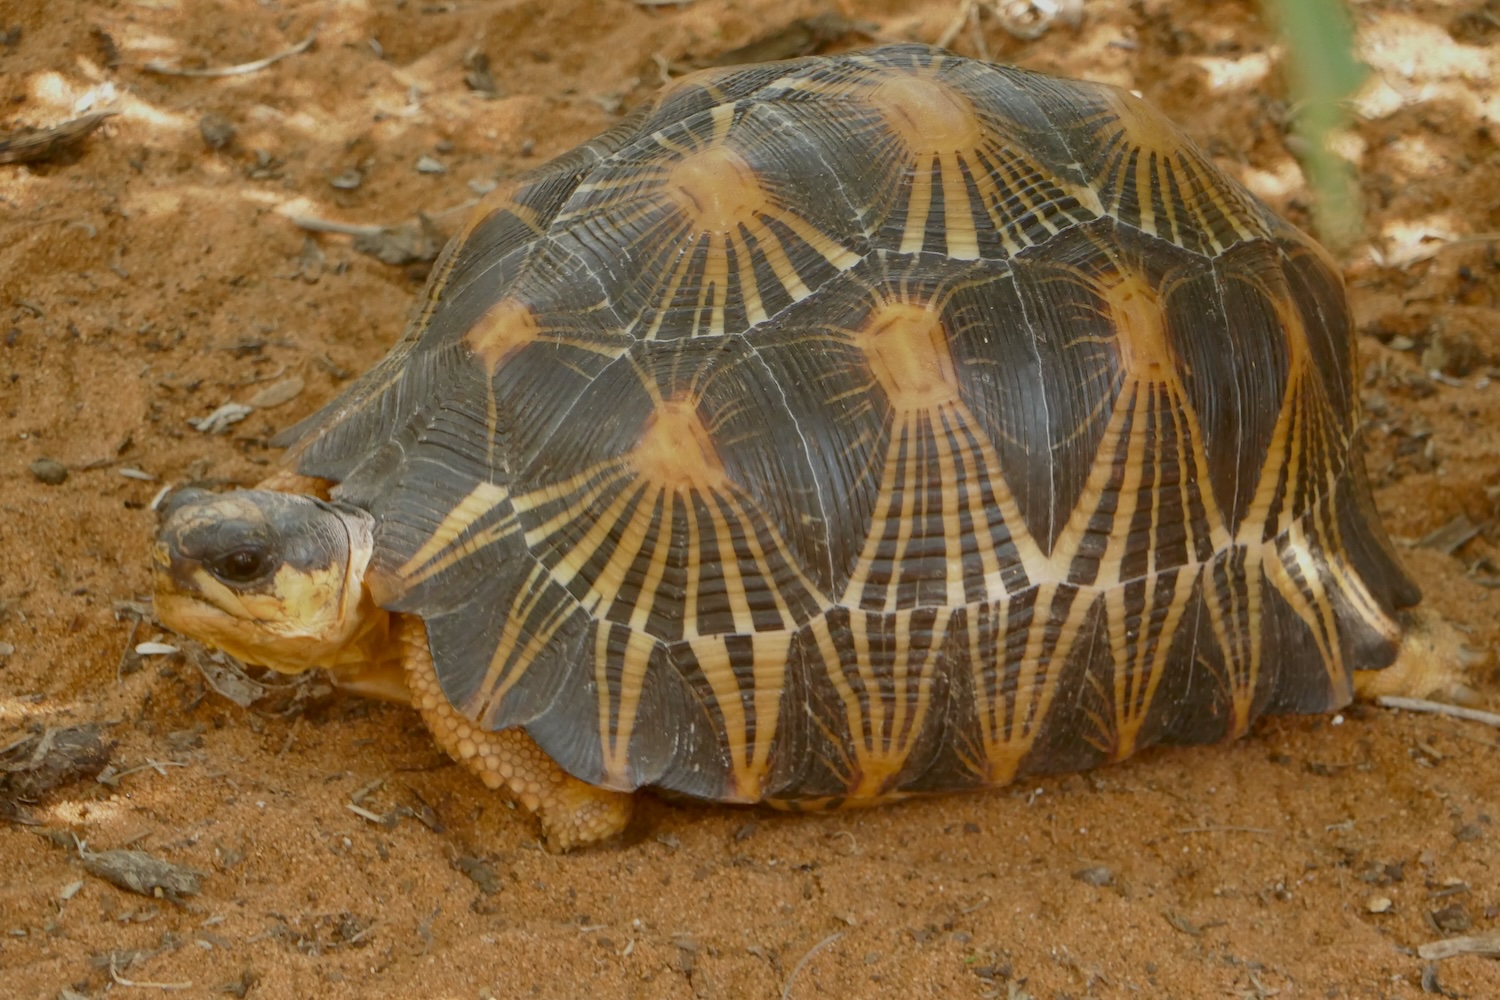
(504, 330)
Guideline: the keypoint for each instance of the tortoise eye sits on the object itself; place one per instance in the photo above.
(240, 566)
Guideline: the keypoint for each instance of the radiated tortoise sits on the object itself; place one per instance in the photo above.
(827, 432)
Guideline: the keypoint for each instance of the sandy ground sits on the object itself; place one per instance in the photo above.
(155, 273)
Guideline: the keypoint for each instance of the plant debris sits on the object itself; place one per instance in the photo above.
(1452, 536)
(277, 393)
(1486, 945)
(221, 419)
(481, 873)
(32, 145)
(38, 764)
(142, 873)
(239, 69)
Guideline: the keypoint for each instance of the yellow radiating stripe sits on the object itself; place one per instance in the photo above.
(762, 563)
(1100, 472)
(829, 655)
(958, 214)
(917, 206)
(1191, 448)
(482, 499)
(694, 557)
(657, 567)
(476, 543)
(716, 277)
(886, 500)
(1143, 190)
(819, 240)
(572, 510)
(988, 706)
(490, 691)
(1312, 606)
(953, 534)
(1132, 700)
(772, 652)
(969, 467)
(755, 309)
(776, 256)
(615, 738)
(912, 492)
(769, 651)
(1154, 532)
(578, 556)
(1255, 602)
(674, 279)
(1036, 683)
(729, 566)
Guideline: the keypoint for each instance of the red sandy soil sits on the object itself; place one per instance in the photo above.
(148, 277)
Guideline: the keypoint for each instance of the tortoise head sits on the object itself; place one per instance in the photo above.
(272, 578)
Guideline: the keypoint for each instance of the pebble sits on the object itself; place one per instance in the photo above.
(1379, 904)
(277, 393)
(217, 131)
(49, 471)
(1097, 875)
(428, 165)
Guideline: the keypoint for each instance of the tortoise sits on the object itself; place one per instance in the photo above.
(827, 432)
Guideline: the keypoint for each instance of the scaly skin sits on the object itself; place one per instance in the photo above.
(573, 813)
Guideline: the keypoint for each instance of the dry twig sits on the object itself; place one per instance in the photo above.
(119, 980)
(786, 991)
(1487, 945)
(1439, 708)
(240, 69)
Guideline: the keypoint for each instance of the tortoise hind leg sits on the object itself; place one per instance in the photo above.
(573, 812)
(1433, 662)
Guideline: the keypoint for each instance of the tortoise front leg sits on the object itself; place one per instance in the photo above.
(573, 812)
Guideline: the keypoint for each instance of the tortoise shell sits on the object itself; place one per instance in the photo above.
(850, 427)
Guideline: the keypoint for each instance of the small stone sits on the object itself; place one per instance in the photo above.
(477, 75)
(217, 131)
(278, 393)
(1451, 919)
(429, 165)
(1379, 904)
(348, 180)
(1097, 875)
(49, 471)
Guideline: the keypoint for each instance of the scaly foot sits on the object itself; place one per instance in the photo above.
(573, 812)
